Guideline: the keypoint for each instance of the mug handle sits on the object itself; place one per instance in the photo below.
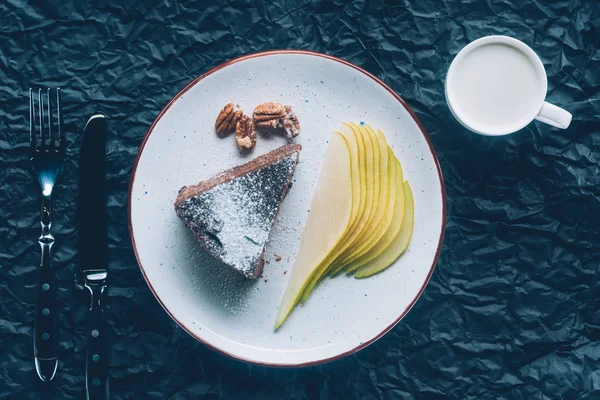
(555, 116)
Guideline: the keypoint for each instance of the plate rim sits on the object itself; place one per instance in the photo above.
(372, 77)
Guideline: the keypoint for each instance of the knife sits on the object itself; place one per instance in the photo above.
(93, 252)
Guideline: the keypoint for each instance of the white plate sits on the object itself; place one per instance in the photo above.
(236, 316)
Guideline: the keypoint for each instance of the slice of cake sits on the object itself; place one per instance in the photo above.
(232, 213)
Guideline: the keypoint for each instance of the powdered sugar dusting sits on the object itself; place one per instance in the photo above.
(233, 219)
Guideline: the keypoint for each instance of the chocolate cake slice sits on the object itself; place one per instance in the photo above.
(232, 213)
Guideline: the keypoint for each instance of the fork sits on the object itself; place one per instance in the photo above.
(47, 153)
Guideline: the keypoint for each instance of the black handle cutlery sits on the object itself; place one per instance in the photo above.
(93, 251)
(47, 153)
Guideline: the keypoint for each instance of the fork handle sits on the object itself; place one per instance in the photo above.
(45, 332)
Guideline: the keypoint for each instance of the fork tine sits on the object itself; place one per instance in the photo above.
(32, 136)
(49, 119)
(61, 137)
(41, 120)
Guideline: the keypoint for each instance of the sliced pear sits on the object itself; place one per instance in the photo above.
(375, 230)
(352, 142)
(356, 148)
(327, 222)
(385, 221)
(398, 245)
(396, 217)
(357, 154)
(371, 184)
(366, 170)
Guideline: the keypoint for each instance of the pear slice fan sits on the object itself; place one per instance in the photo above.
(361, 216)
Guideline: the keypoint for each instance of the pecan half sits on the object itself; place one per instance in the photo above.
(290, 123)
(245, 134)
(267, 115)
(270, 116)
(227, 119)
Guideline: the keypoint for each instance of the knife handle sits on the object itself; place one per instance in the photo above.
(45, 330)
(97, 352)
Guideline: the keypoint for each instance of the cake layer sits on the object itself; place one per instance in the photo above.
(232, 214)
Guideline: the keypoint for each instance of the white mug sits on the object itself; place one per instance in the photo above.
(497, 85)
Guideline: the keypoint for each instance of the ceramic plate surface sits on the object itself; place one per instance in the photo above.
(236, 316)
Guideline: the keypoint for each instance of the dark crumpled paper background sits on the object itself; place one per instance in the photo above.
(512, 310)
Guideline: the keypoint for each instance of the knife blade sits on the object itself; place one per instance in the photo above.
(93, 252)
